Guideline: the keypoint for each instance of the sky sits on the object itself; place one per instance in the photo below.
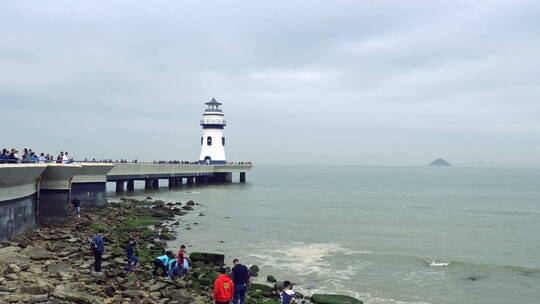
(301, 82)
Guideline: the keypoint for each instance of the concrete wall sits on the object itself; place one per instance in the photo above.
(18, 197)
(17, 216)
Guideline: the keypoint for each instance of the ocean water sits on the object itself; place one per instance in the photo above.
(442, 235)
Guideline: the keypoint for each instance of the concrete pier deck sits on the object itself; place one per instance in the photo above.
(36, 193)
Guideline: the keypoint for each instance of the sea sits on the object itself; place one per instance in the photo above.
(386, 235)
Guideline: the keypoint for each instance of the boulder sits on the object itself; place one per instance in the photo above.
(334, 299)
(37, 253)
(13, 268)
(261, 287)
(157, 286)
(208, 258)
(271, 279)
(69, 293)
(132, 293)
(188, 208)
(190, 203)
(39, 298)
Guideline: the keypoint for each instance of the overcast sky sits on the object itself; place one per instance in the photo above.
(363, 82)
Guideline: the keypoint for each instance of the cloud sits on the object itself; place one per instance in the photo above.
(300, 82)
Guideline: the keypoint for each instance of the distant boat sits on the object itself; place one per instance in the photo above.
(439, 162)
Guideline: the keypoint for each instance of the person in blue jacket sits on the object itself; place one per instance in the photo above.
(172, 268)
(98, 249)
(161, 262)
(131, 257)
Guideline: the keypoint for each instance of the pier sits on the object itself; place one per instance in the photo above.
(31, 194)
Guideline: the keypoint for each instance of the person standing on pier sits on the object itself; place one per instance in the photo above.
(98, 249)
(240, 277)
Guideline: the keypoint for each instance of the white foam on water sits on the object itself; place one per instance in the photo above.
(307, 259)
(438, 264)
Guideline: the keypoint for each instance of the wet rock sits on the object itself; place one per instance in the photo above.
(157, 286)
(271, 279)
(208, 258)
(12, 268)
(110, 291)
(334, 299)
(54, 269)
(37, 253)
(132, 293)
(34, 289)
(190, 203)
(148, 198)
(202, 214)
(188, 208)
(39, 298)
(254, 270)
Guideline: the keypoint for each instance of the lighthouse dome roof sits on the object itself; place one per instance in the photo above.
(213, 102)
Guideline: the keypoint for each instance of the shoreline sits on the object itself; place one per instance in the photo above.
(54, 264)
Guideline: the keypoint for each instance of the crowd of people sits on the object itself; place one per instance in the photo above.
(227, 288)
(12, 156)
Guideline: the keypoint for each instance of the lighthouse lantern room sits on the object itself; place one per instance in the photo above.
(213, 140)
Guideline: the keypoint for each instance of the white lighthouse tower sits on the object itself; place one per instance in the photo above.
(213, 141)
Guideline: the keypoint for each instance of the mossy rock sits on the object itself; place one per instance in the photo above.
(257, 294)
(208, 258)
(254, 268)
(334, 299)
(261, 287)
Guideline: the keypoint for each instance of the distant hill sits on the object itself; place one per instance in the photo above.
(439, 162)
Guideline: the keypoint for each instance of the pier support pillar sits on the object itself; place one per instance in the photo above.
(54, 202)
(201, 180)
(119, 186)
(172, 182)
(89, 186)
(130, 185)
(155, 183)
(90, 194)
(189, 181)
(242, 177)
(179, 182)
(147, 184)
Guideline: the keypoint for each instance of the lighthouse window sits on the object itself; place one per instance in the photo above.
(209, 140)
(223, 141)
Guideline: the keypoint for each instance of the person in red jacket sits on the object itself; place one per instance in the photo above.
(223, 288)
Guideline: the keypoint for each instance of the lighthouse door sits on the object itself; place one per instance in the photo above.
(208, 160)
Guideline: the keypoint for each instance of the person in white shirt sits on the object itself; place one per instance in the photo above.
(65, 158)
(41, 158)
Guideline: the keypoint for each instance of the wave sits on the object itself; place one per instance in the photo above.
(520, 270)
(438, 264)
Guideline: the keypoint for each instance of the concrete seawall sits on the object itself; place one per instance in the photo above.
(18, 198)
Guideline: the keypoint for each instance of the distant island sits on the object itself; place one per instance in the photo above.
(439, 162)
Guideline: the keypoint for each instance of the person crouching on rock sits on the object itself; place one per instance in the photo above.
(172, 268)
(98, 249)
(223, 288)
(131, 257)
(161, 262)
(287, 296)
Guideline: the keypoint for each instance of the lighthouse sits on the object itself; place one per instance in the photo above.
(213, 140)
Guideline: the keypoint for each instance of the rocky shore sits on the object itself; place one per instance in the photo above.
(54, 264)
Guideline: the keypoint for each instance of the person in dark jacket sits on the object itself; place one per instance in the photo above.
(98, 248)
(240, 276)
(76, 207)
(131, 257)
